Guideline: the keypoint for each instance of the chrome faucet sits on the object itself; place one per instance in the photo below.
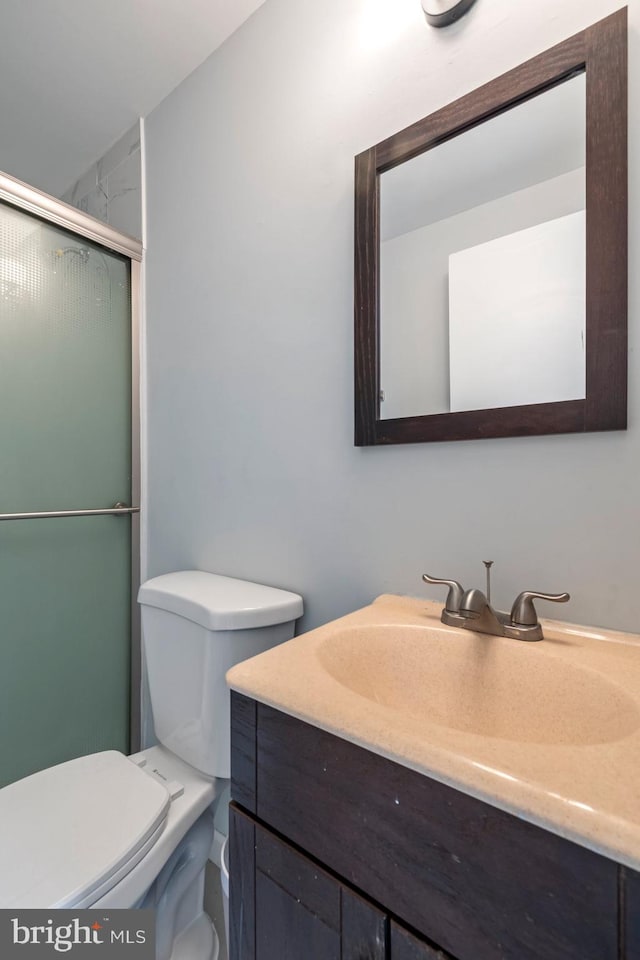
(472, 610)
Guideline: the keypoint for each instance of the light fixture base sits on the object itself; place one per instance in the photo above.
(440, 13)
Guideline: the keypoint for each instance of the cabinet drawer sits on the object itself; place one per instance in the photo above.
(481, 883)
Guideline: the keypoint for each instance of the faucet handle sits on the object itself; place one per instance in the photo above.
(454, 597)
(523, 612)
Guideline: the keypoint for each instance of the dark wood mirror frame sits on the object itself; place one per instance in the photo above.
(601, 52)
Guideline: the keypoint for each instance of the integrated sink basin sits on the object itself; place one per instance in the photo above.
(549, 731)
(471, 683)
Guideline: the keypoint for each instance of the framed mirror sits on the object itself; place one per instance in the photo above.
(491, 257)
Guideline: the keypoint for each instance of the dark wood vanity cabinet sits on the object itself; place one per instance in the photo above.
(338, 852)
(404, 946)
(301, 912)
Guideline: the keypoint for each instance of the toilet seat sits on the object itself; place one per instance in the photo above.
(68, 834)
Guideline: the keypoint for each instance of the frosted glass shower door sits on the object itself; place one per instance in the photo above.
(65, 444)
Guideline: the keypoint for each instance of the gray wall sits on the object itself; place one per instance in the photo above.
(252, 468)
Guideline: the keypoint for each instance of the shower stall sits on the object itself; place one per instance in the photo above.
(69, 484)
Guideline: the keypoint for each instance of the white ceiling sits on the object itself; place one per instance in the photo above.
(76, 74)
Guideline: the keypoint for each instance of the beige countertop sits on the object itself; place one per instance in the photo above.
(549, 731)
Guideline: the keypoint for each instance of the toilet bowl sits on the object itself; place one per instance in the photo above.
(107, 830)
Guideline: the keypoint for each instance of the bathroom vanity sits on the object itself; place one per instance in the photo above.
(365, 829)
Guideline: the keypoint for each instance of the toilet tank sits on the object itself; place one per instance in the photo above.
(195, 626)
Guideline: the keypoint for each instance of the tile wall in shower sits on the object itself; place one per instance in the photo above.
(110, 190)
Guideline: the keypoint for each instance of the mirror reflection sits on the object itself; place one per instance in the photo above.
(482, 264)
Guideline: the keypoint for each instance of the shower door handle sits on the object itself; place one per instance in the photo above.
(117, 510)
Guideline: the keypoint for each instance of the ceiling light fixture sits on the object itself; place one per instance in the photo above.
(440, 13)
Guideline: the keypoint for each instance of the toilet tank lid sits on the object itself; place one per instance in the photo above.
(220, 603)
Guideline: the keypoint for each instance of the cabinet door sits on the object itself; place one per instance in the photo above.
(404, 946)
(630, 883)
(284, 907)
(297, 907)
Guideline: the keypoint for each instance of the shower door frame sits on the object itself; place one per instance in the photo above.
(17, 194)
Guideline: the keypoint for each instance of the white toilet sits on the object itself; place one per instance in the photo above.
(107, 830)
